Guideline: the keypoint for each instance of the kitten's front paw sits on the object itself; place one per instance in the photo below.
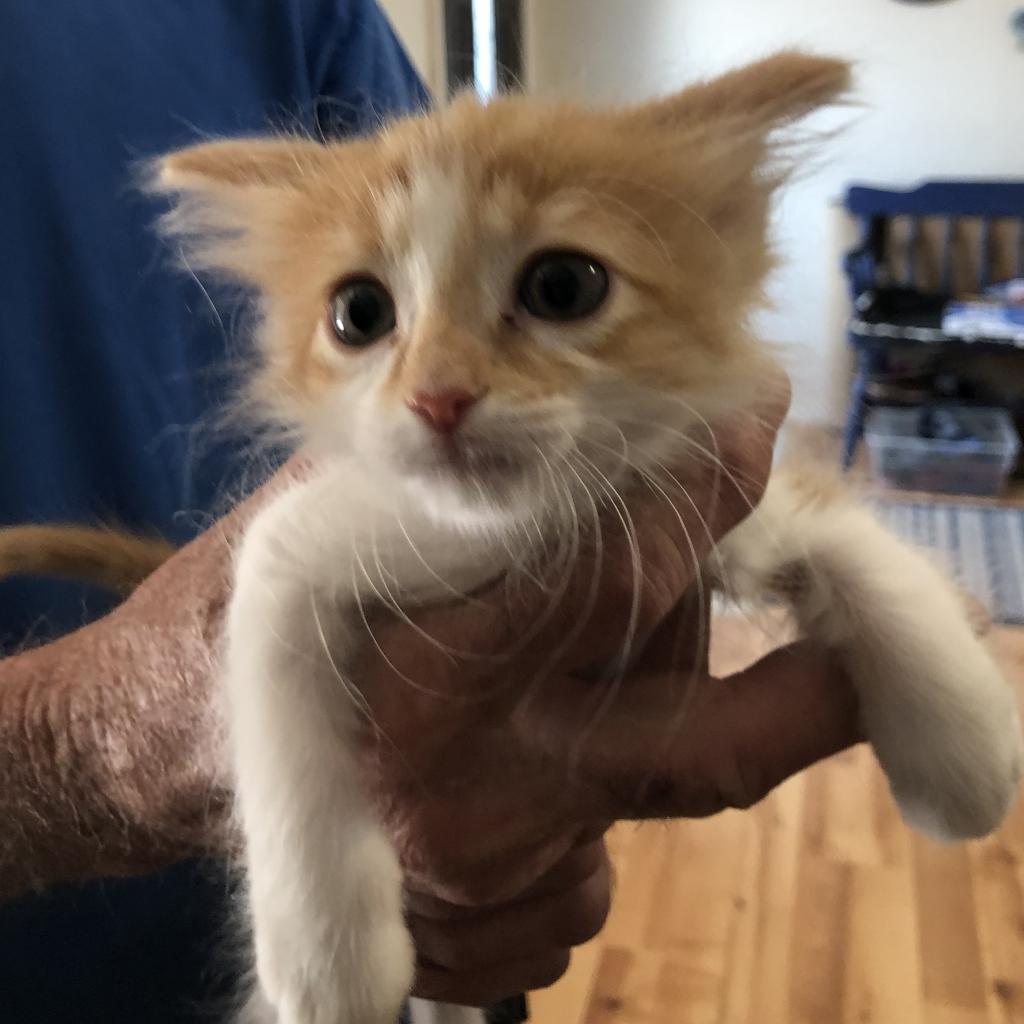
(955, 768)
(334, 983)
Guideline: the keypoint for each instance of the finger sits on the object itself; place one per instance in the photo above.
(739, 452)
(519, 930)
(680, 643)
(738, 738)
(484, 987)
(579, 864)
(677, 517)
(782, 715)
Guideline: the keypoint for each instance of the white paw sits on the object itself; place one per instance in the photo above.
(346, 978)
(955, 764)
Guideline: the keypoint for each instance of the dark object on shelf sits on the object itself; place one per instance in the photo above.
(938, 424)
(943, 449)
(901, 306)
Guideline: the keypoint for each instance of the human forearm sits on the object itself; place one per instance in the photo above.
(108, 761)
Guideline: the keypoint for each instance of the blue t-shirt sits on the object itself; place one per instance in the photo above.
(112, 365)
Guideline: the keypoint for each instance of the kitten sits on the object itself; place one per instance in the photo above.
(477, 319)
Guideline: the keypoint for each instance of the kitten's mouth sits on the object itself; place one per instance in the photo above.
(470, 461)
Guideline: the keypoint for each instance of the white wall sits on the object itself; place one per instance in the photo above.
(418, 24)
(942, 83)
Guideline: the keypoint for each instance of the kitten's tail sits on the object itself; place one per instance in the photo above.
(107, 558)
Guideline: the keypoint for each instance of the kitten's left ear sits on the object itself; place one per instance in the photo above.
(760, 97)
(722, 135)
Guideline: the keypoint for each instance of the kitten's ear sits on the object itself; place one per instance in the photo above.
(760, 97)
(720, 140)
(234, 163)
(231, 202)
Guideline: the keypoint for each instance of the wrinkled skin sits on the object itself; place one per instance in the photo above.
(497, 775)
(513, 768)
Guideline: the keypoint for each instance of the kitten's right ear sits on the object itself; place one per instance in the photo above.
(234, 163)
(231, 201)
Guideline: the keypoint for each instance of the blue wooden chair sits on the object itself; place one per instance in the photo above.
(898, 300)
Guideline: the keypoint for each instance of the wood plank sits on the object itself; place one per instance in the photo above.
(780, 820)
(820, 929)
(698, 888)
(569, 1001)
(879, 927)
(638, 987)
(882, 983)
(938, 1013)
(1000, 925)
(636, 899)
(737, 993)
(850, 815)
(619, 993)
(951, 957)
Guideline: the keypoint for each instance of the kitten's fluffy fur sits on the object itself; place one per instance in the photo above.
(673, 197)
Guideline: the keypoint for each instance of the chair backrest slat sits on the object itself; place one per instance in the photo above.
(913, 244)
(964, 207)
(948, 237)
(985, 254)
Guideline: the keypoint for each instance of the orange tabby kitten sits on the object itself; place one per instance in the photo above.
(481, 320)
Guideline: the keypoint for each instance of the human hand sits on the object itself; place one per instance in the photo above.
(512, 765)
(496, 788)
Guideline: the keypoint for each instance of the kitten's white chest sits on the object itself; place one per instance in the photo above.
(355, 539)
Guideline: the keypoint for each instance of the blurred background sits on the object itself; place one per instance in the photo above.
(900, 301)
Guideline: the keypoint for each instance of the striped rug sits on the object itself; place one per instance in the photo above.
(982, 546)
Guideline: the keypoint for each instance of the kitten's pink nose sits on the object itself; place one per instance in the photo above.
(442, 411)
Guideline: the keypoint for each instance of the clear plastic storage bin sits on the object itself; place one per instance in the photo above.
(947, 449)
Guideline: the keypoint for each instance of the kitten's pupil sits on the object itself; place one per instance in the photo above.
(559, 286)
(361, 312)
(364, 310)
(563, 286)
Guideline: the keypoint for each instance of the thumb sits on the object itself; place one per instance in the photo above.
(786, 712)
(739, 738)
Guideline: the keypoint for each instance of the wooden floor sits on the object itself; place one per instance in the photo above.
(816, 907)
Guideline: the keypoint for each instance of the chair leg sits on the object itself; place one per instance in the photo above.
(853, 431)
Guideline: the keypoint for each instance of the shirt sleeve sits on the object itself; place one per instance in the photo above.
(361, 73)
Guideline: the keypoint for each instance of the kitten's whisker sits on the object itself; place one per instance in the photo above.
(634, 214)
(621, 510)
(358, 563)
(354, 694)
(440, 580)
(705, 455)
(576, 630)
(677, 201)
(711, 457)
(537, 624)
(393, 603)
(688, 441)
(351, 690)
(721, 469)
(703, 599)
(390, 601)
(652, 482)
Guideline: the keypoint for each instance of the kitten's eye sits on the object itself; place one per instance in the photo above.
(563, 286)
(361, 312)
